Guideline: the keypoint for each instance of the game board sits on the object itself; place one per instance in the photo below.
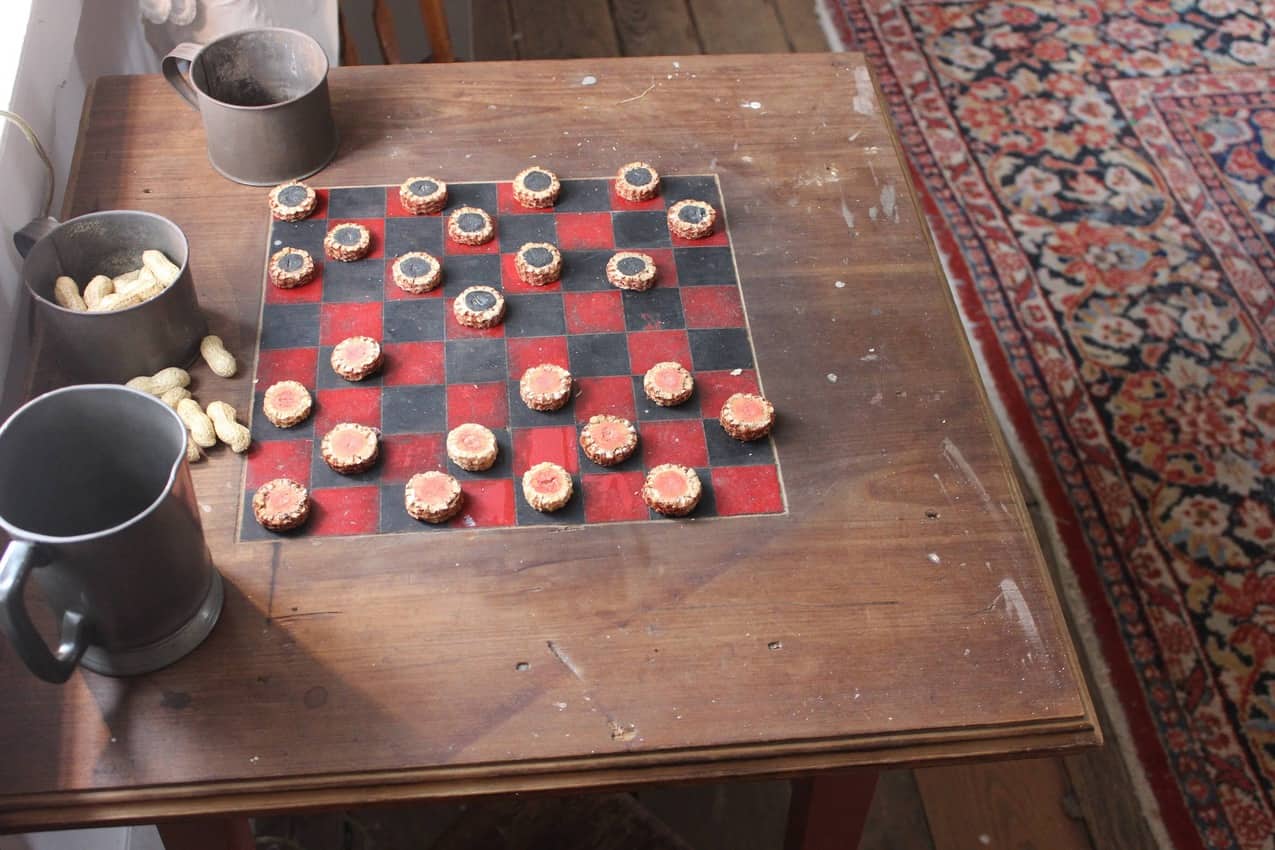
(439, 374)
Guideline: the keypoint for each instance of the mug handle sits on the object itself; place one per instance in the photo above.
(20, 558)
(38, 228)
(176, 67)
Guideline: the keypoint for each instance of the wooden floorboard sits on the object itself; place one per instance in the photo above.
(564, 29)
(801, 26)
(1018, 804)
(655, 27)
(739, 26)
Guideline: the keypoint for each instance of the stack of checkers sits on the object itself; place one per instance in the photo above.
(438, 355)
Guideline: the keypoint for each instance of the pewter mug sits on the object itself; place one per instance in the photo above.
(263, 97)
(140, 340)
(96, 497)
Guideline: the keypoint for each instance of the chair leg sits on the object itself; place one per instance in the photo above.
(828, 811)
(440, 38)
(211, 833)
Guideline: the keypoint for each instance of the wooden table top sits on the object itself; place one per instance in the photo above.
(901, 613)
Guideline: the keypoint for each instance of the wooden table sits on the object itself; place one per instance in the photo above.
(900, 614)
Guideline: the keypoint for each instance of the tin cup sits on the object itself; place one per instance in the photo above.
(96, 497)
(263, 97)
(164, 330)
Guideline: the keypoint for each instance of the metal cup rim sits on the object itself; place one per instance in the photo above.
(94, 315)
(17, 533)
(323, 78)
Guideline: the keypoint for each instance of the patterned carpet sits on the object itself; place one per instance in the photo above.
(1100, 176)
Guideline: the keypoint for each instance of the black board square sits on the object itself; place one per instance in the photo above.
(649, 411)
(413, 410)
(700, 188)
(463, 270)
(704, 266)
(394, 515)
(584, 196)
(414, 320)
(502, 468)
(263, 429)
(572, 513)
(725, 450)
(521, 416)
(653, 310)
(361, 280)
(535, 315)
(356, 202)
(481, 195)
(290, 326)
(598, 354)
(585, 271)
(475, 361)
(413, 233)
(707, 506)
(328, 379)
(322, 475)
(720, 348)
(306, 234)
(640, 230)
(518, 230)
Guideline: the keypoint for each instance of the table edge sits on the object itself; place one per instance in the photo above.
(148, 804)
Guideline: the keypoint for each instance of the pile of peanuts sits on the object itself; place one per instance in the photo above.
(218, 421)
(104, 294)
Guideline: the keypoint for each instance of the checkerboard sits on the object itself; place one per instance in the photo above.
(438, 374)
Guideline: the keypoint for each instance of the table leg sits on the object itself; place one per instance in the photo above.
(213, 833)
(828, 810)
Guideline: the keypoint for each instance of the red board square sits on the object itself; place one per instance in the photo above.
(508, 205)
(487, 504)
(344, 510)
(620, 204)
(413, 363)
(665, 265)
(320, 204)
(453, 329)
(287, 364)
(674, 441)
(375, 226)
(713, 388)
(613, 497)
(578, 231)
(525, 352)
(594, 312)
(404, 455)
(491, 246)
(510, 282)
(341, 321)
(361, 405)
(270, 459)
(712, 307)
(612, 395)
(715, 239)
(394, 293)
(646, 348)
(310, 293)
(486, 404)
(747, 490)
(537, 445)
(394, 205)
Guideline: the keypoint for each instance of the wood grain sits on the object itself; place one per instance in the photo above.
(719, 25)
(1008, 804)
(655, 27)
(801, 25)
(857, 630)
(563, 29)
